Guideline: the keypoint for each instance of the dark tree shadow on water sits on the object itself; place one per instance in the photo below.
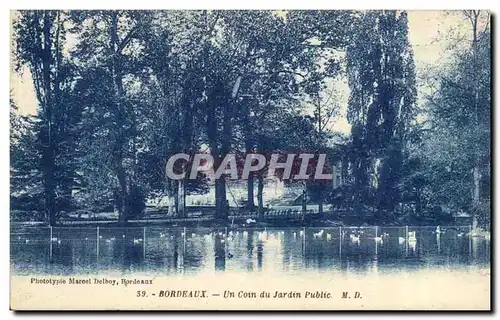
(220, 253)
(250, 248)
(62, 258)
(133, 255)
(260, 253)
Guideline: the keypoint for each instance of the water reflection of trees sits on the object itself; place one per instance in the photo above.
(260, 253)
(171, 251)
(62, 257)
(193, 250)
(163, 250)
(220, 253)
(249, 248)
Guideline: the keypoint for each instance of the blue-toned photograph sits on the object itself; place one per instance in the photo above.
(296, 143)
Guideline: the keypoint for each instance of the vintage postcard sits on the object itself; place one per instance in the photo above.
(250, 160)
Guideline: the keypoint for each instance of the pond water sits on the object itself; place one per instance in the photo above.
(166, 251)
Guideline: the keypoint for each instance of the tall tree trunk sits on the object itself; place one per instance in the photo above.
(168, 191)
(260, 198)
(181, 195)
(304, 201)
(247, 127)
(320, 135)
(181, 198)
(226, 145)
(122, 191)
(474, 17)
(476, 199)
(221, 205)
(49, 185)
(186, 131)
(250, 195)
(220, 183)
(48, 150)
(119, 142)
(214, 98)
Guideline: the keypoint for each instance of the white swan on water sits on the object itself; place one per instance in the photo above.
(412, 236)
(354, 238)
(318, 234)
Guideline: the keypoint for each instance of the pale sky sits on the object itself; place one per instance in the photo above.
(425, 29)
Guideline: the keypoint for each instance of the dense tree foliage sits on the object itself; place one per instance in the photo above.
(119, 92)
(455, 150)
(381, 106)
